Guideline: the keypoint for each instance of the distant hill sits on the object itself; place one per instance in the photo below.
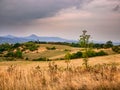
(33, 37)
(13, 39)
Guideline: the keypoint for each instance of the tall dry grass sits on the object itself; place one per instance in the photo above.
(97, 77)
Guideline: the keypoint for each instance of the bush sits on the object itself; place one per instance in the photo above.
(68, 56)
(17, 54)
(5, 47)
(16, 45)
(76, 55)
(91, 53)
(9, 54)
(116, 49)
(101, 53)
(26, 58)
(73, 56)
(51, 48)
(31, 46)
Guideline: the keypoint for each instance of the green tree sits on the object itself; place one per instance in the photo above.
(84, 42)
(108, 44)
(18, 54)
(31, 46)
(5, 47)
(16, 45)
(84, 39)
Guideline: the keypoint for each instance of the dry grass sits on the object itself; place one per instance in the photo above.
(75, 62)
(52, 54)
(54, 77)
(103, 74)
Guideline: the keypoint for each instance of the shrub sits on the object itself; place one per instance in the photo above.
(5, 47)
(108, 44)
(76, 55)
(16, 45)
(17, 54)
(73, 56)
(68, 56)
(91, 53)
(101, 53)
(9, 54)
(31, 46)
(116, 49)
(51, 48)
(26, 58)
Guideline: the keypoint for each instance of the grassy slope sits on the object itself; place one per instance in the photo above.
(60, 51)
(29, 76)
(75, 62)
(36, 75)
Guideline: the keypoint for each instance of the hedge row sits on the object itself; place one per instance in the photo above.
(83, 54)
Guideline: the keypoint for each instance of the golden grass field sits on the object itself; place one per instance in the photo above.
(103, 74)
(51, 54)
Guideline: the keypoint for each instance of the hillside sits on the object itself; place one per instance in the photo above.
(111, 59)
(24, 74)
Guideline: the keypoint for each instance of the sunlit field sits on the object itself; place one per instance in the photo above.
(59, 44)
(102, 74)
(47, 68)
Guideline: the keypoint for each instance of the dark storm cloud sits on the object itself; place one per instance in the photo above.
(20, 11)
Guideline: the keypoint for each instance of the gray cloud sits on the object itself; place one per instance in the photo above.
(19, 11)
(116, 8)
(63, 18)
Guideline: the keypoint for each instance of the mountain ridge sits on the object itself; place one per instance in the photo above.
(32, 37)
(14, 39)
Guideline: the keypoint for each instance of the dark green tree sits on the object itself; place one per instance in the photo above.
(18, 54)
(16, 45)
(108, 44)
(31, 46)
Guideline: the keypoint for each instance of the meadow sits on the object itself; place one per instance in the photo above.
(20, 74)
(102, 74)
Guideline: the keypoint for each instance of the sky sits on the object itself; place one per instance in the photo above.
(61, 18)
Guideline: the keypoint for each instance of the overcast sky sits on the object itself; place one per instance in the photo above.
(62, 18)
